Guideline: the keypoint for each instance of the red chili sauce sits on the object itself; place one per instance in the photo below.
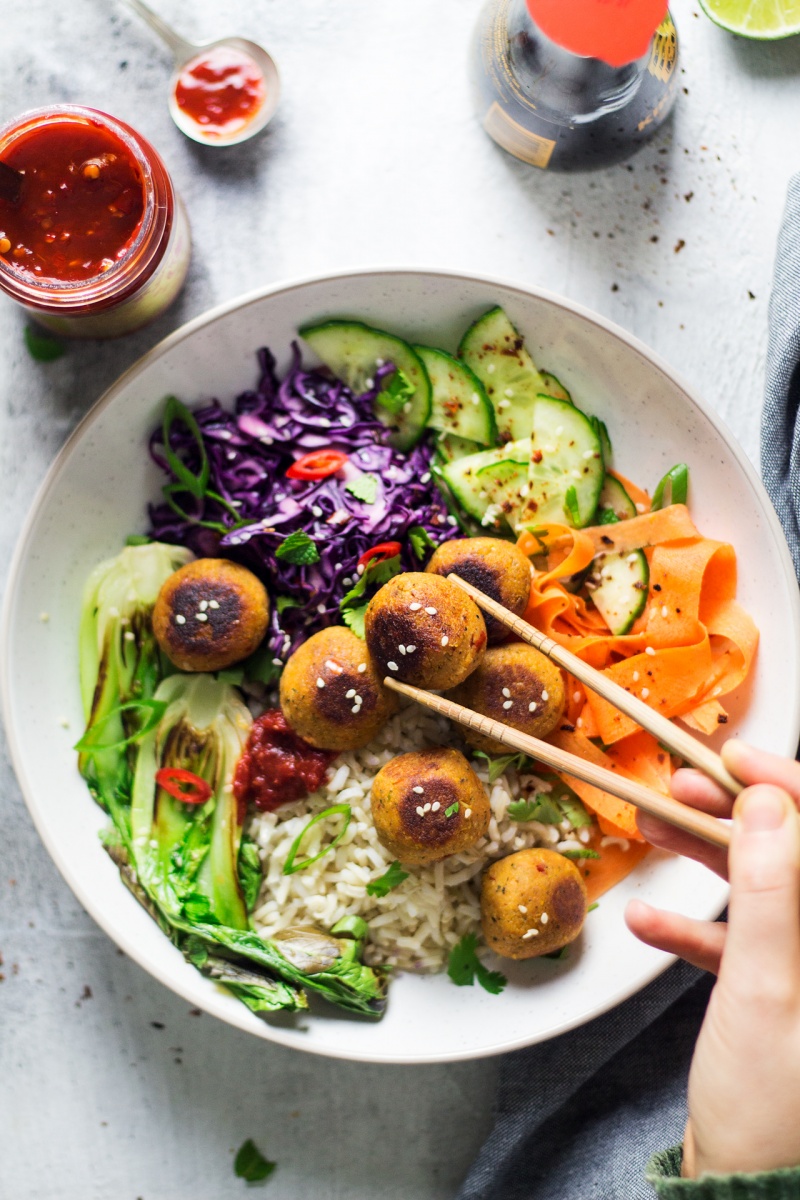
(80, 206)
(277, 766)
(222, 90)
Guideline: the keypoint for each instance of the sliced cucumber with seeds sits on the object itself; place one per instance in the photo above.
(495, 351)
(566, 470)
(489, 485)
(459, 403)
(354, 351)
(621, 587)
(450, 447)
(614, 499)
(554, 387)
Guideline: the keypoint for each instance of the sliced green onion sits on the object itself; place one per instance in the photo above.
(571, 505)
(290, 865)
(170, 490)
(174, 412)
(93, 738)
(673, 488)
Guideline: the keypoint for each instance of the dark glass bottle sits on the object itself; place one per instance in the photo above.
(564, 111)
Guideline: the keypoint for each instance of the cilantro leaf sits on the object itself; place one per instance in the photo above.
(498, 765)
(392, 878)
(43, 346)
(284, 602)
(395, 394)
(353, 605)
(364, 488)
(354, 619)
(452, 810)
(298, 548)
(584, 852)
(571, 505)
(250, 1163)
(420, 541)
(540, 808)
(464, 967)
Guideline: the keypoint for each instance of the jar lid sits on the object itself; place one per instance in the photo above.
(617, 31)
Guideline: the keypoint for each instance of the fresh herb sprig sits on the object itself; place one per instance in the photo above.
(250, 1164)
(384, 884)
(464, 967)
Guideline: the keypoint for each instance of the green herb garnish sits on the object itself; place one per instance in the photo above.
(171, 490)
(592, 907)
(395, 394)
(353, 605)
(452, 810)
(42, 346)
(299, 549)
(392, 878)
(464, 967)
(250, 1163)
(177, 413)
(284, 602)
(540, 808)
(571, 505)
(607, 517)
(584, 852)
(290, 866)
(137, 539)
(499, 765)
(420, 541)
(364, 488)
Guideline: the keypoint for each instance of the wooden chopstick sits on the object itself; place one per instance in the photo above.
(701, 824)
(677, 740)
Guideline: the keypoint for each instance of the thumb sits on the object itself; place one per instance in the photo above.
(763, 941)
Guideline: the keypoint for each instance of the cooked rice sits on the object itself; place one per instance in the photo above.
(416, 924)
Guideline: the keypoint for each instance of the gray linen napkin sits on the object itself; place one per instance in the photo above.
(578, 1117)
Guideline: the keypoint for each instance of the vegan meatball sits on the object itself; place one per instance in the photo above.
(515, 684)
(493, 565)
(331, 694)
(532, 903)
(424, 630)
(210, 614)
(429, 804)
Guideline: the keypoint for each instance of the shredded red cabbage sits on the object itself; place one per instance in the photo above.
(249, 451)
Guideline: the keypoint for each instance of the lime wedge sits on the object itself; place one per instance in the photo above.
(764, 20)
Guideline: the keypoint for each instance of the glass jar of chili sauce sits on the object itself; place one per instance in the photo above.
(97, 242)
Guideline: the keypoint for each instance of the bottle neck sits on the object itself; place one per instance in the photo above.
(567, 87)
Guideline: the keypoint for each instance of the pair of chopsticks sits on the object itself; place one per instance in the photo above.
(681, 743)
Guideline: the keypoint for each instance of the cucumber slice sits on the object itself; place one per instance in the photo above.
(614, 499)
(484, 484)
(554, 387)
(354, 351)
(566, 470)
(495, 351)
(450, 447)
(459, 403)
(621, 593)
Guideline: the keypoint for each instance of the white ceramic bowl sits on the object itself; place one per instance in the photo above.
(95, 495)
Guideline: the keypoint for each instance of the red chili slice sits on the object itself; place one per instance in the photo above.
(183, 785)
(380, 553)
(319, 464)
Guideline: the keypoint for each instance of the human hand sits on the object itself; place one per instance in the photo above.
(744, 1084)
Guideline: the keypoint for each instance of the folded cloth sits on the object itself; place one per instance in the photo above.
(664, 1170)
(577, 1118)
(780, 427)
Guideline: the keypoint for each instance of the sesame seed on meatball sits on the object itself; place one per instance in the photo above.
(517, 685)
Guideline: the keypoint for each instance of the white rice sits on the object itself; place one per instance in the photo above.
(416, 924)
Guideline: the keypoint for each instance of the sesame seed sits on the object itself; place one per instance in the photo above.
(490, 368)
(632, 558)
(320, 682)
(426, 478)
(649, 650)
(640, 507)
(587, 454)
(359, 699)
(419, 790)
(180, 620)
(664, 610)
(420, 811)
(532, 706)
(508, 392)
(575, 473)
(635, 677)
(130, 637)
(44, 617)
(435, 806)
(426, 808)
(320, 608)
(362, 668)
(415, 607)
(392, 666)
(545, 696)
(333, 666)
(559, 430)
(356, 709)
(544, 918)
(576, 696)
(645, 693)
(316, 510)
(508, 704)
(504, 404)
(213, 604)
(523, 908)
(349, 695)
(523, 491)
(506, 693)
(431, 611)
(402, 649)
(445, 640)
(407, 406)
(530, 933)
(410, 649)
(452, 521)
(475, 398)
(63, 722)
(201, 616)
(277, 662)
(467, 813)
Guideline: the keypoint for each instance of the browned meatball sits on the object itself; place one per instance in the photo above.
(496, 567)
(331, 694)
(532, 903)
(424, 630)
(210, 614)
(429, 804)
(517, 685)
